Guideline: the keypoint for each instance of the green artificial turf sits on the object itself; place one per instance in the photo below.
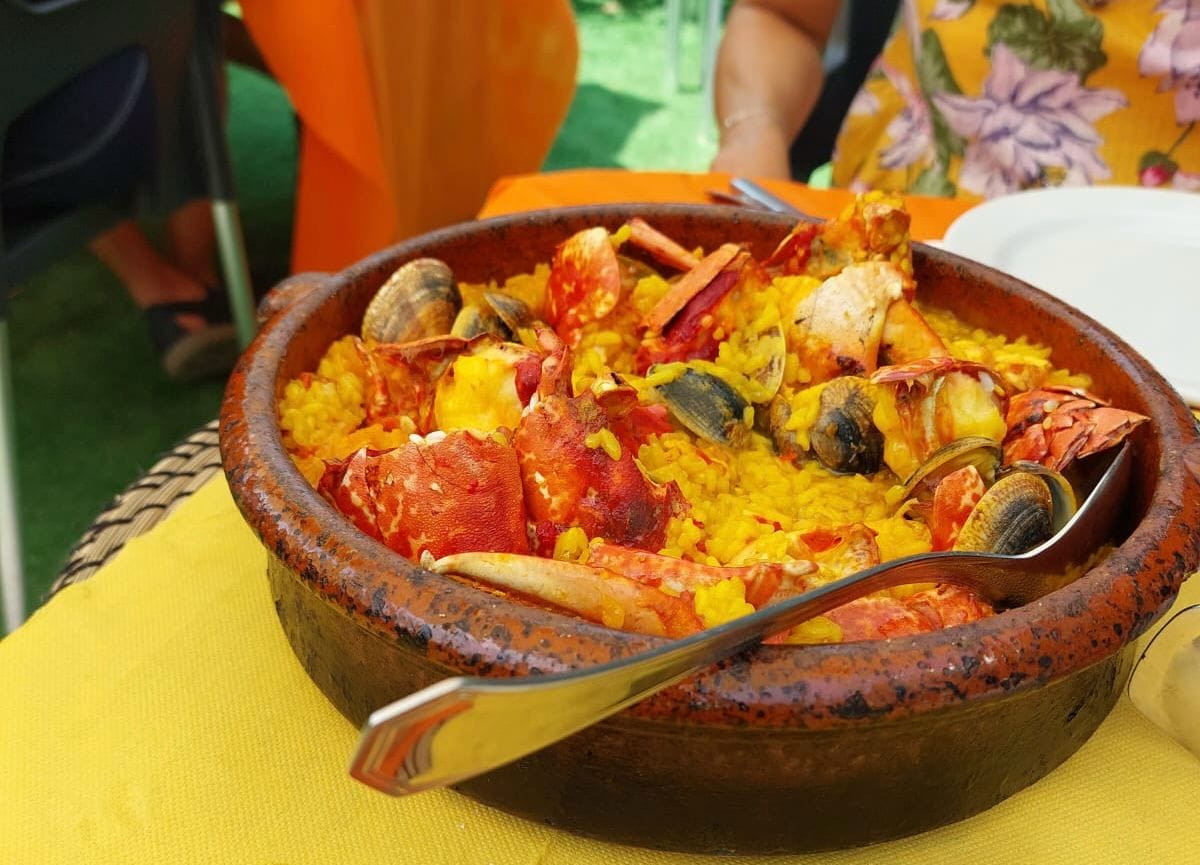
(94, 409)
(627, 112)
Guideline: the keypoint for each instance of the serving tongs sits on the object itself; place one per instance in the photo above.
(462, 727)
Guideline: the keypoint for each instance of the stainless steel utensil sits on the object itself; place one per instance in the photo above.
(764, 197)
(722, 196)
(463, 727)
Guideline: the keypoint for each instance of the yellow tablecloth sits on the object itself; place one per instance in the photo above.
(156, 714)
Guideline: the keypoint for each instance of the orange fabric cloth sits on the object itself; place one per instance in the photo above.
(930, 216)
(411, 110)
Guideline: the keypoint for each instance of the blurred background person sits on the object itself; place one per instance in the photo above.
(70, 149)
(974, 97)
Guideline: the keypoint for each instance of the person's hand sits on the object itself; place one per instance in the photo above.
(754, 147)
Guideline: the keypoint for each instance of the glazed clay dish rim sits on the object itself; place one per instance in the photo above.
(818, 686)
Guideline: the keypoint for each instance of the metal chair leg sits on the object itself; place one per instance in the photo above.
(235, 267)
(708, 65)
(12, 579)
(674, 14)
(203, 71)
(710, 38)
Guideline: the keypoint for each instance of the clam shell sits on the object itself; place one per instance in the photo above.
(1014, 516)
(979, 451)
(776, 417)
(513, 311)
(844, 437)
(1062, 493)
(473, 320)
(420, 299)
(769, 377)
(708, 406)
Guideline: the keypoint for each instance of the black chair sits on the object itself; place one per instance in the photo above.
(868, 25)
(47, 45)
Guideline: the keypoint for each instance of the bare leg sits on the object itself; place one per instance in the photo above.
(148, 276)
(204, 348)
(194, 241)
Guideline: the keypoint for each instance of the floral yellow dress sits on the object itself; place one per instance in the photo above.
(981, 97)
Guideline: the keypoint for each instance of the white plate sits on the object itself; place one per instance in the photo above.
(1128, 257)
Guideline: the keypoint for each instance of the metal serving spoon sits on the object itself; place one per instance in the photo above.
(747, 193)
(462, 727)
(764, 197)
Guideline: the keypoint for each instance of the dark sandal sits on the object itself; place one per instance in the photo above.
(191, 355)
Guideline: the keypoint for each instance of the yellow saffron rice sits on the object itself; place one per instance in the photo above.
(745, 505)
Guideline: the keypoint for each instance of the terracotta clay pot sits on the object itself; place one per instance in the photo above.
(781, 748)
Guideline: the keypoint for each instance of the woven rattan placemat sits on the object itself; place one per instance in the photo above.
(178, 474)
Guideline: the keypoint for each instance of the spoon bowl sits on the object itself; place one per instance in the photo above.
(462, 727)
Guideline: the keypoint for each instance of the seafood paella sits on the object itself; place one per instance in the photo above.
(661, 439)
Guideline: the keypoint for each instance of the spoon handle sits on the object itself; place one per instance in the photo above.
(462, 727)
(765, 197)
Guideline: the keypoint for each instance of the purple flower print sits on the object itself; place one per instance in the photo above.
(1173, 53)
(911, 131)
(864, 104)
(950, 10)
(1188, 181)
(1028, 121)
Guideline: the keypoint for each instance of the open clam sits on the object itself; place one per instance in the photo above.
(979, 451)
(707, 405)
(844, 437)
(420, 299)
(767, 356)
(1062, 491)
(475, 319)
(774, 421)
(498, 314)
(1014, 515)
(997, 509)
(513, 311)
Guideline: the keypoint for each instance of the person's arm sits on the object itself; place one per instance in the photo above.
(768, 78)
